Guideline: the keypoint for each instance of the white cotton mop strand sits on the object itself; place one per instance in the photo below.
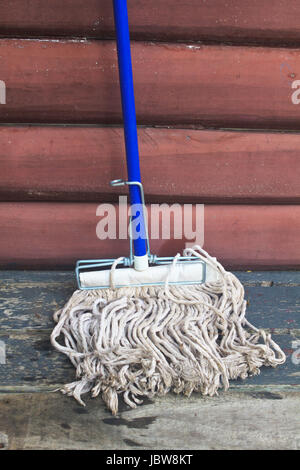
(176, 325)
(147, 341)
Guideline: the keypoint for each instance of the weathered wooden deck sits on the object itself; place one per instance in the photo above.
(259, 413)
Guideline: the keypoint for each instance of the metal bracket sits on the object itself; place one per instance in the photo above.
(91, 264)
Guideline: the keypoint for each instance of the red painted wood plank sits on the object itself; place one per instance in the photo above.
(233, 20)
(55, 235)
(77, 81)
(77, 163)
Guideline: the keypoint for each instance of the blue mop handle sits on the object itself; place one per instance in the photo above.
(129, 118)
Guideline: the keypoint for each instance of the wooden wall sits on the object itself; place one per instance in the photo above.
(216, 98)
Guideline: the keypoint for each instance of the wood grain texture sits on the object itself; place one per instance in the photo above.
(57, 234)
(31, 360)
(267, 21)
(235, 421)
(77, 163)
(216, 86)
(28, 298)
(258, 413)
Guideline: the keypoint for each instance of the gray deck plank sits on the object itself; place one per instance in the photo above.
(28, 299)
(247, 277)
(31, 360)
(258, 413)
(231, 421)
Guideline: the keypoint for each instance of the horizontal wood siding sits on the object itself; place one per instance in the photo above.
(267, 21)
(56, 235)
(212, 85)
(221, 86)
(77, 163)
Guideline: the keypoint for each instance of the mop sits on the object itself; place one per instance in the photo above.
(144, 325)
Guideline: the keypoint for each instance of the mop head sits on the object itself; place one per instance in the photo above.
(147, 341)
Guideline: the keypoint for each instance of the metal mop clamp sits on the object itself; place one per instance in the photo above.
(140, 256)
(86, 266)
